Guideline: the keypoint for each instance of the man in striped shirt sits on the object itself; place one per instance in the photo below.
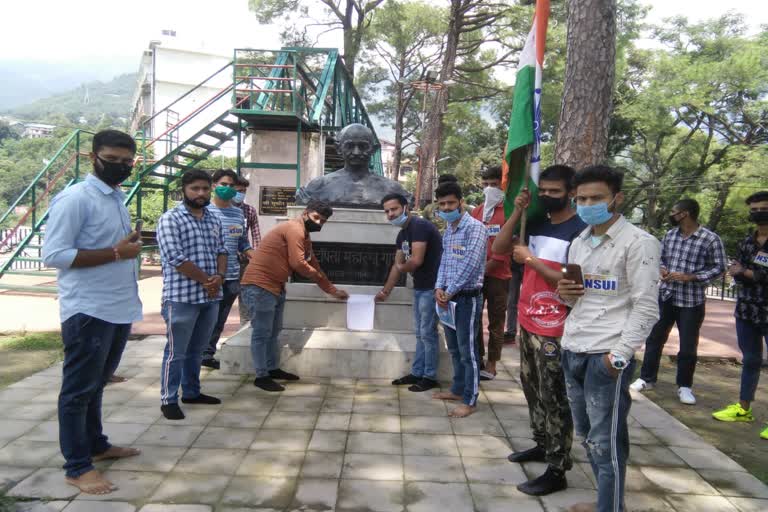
(252, 227)
(236, 243)
(460, 282)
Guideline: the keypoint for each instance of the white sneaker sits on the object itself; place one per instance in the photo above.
(686, 396)
(640, 385)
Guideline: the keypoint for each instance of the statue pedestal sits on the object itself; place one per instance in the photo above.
(358, 246)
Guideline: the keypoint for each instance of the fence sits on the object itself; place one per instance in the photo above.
(14, 239)
(723, 289)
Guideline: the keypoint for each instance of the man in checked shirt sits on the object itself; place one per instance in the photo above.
(691, 257)
(460, 281)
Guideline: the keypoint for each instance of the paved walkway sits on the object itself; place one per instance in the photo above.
(340, 445)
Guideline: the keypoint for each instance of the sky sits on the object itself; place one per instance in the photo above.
(109, 36)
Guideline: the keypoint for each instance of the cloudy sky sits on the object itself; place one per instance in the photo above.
(111, 35)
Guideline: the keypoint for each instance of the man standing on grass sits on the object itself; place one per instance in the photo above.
(89, 239)
(750, 271)
(691, 258)
(236, 242)
(419, 247)
(460, 281)
(194, 261)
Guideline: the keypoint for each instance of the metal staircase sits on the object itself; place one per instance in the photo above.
(292, 89)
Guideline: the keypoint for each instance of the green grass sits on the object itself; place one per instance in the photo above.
(24, 354)
(7, 503)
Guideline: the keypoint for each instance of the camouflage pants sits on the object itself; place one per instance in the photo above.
(543, 382)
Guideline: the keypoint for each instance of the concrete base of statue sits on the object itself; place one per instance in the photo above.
(316, 343)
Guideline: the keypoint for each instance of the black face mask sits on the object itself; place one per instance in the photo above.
(758, 217)
(112, 173)
(312, 226)
(194, 204)
(553, 204)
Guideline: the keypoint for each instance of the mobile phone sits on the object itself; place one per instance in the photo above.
(572, 272)
(139, 226)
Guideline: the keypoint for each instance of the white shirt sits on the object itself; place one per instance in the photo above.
(621, 281)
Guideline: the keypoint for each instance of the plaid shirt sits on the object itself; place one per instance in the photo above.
(183, 237)
(752, 301)
(462, 266)
(252, 224)
(701, 254)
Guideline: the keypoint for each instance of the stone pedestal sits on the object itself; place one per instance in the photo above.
(315, 341)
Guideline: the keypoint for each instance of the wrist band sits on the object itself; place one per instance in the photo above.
(117, 253)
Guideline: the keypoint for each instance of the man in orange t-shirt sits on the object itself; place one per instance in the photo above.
(497, 270)
(287, 248)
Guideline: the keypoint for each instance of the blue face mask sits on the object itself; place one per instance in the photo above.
(399, 221)
(239, 198)
(594, 214)
(450, 216)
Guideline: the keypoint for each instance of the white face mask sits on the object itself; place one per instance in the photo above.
(493, 197)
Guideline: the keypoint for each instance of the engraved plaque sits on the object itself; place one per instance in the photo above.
(365, 264)
(276, 200)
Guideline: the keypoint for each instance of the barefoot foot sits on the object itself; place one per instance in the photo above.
(92, 482)
(462, 411)
(583, 507)
(116, 379)
(116, 452)
(445, 395)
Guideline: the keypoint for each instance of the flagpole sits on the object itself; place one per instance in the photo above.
(526, 179)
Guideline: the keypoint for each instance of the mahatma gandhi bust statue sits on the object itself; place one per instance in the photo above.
(354, 186)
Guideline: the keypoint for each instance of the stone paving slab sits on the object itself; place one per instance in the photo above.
(341, 445)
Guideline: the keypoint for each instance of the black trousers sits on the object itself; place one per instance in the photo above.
(688, 322)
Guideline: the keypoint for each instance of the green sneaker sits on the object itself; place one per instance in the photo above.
(764, 433)
(734, 412)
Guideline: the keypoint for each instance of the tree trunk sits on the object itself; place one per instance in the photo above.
(431, 137)
(720, 201)
(399, 116)
(582, 134)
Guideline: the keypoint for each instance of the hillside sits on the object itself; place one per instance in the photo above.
(91, 100)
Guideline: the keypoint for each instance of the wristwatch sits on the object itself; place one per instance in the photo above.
(618, 362)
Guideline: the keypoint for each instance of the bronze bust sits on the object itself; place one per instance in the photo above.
(353, 186)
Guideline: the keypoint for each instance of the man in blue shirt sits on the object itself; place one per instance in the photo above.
(419, 247)
(194, 262)
(460, 281)
(236, 243)
(89, 240)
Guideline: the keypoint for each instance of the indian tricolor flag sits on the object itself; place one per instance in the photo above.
(525, 122)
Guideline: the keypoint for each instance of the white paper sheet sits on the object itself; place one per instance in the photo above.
(360, 309)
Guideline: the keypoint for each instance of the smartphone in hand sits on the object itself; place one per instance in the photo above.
(573, 272)
(139, 226)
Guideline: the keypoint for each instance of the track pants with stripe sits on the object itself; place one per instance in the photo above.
(462, 345)
(600, 405)
(189, 328)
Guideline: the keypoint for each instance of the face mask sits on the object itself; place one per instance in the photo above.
(595, 214)
(112, 173)
(225, 193)
(553, 204)
(195, 204)
(450, 216)
(758, 217)
(399, 221)
(239, 198)
(312, 226)
(493, 195)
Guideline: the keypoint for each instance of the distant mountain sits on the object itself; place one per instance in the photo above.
(90, 100)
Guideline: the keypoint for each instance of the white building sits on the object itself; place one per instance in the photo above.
(37, 130)
(169, 69)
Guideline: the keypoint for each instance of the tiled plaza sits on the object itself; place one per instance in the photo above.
(340, 445)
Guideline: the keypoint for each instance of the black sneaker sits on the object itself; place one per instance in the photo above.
(535, 454)
(552, 480)
(172, 412)
(267, 384)
(408, 379)
(282, 375)
(424, 384)
(212, 363)
(202, 399)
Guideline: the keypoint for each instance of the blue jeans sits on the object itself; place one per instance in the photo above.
(266, 310)
(462, 345)
(425, 324)
(189, 328)
(92, 352)
(600, 405)
(750, 338)
(230, 290)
